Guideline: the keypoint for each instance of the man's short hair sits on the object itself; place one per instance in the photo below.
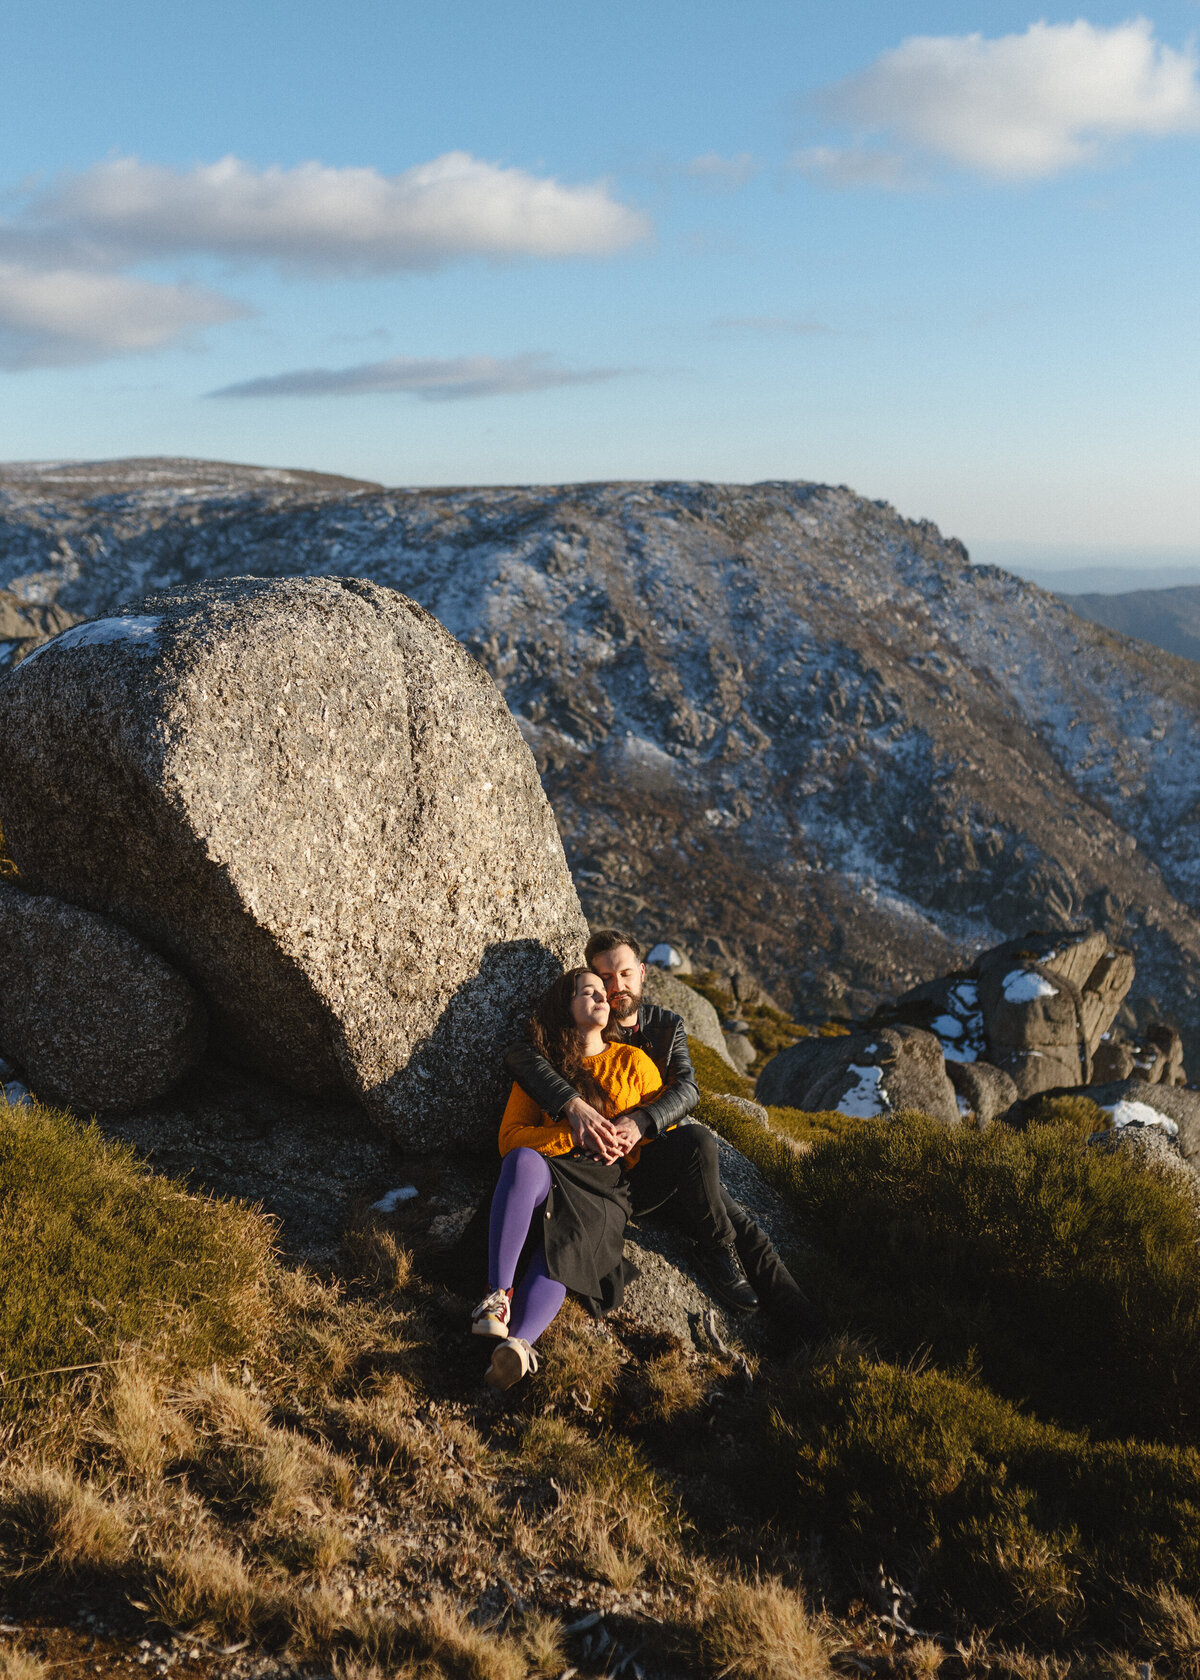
(607, 939)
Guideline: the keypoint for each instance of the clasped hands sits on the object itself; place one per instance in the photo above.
(604, 1140)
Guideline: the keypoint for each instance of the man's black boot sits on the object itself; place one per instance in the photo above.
(720, 1264)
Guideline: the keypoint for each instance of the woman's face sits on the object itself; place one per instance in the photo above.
(589, 1006)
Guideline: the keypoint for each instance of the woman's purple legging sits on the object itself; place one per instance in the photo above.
(523, 1188)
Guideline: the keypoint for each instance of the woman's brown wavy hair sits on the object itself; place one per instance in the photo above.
(553, 1033)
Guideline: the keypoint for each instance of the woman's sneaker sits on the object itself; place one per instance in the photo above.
(511, 1361)
(490, 1317)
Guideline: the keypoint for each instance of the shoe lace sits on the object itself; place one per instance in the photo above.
(533, 1358)
(491, 1303)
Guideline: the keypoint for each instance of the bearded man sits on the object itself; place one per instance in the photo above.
(681, 1172)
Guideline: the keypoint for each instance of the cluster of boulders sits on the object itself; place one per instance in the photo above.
(1033, 1015)
(292, 819)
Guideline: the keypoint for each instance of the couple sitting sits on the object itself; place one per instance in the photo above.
(596, 1130)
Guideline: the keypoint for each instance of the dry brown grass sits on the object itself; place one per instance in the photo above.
(139, 1432)
(580, 1364)
(204, 1588)
(761, 1630)
(53, 1523)
(675, 1384)
(375, 1258)
(1171, 1623)
(17, 1663)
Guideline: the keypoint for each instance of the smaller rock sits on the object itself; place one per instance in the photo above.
(699, 1016)
(669, 957)
(741, 1052)
(1114, 1058)
(867, 1072)
(1179, 1106)
(986, 1091)
(95, 1018)
(747, 1105)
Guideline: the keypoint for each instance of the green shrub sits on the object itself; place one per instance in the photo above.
(97, 1253)
(987, 1514)
(1072, 1276)
(805, 1127)
(1077, 1116)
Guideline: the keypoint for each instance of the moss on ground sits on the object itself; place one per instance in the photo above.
(98, 1254)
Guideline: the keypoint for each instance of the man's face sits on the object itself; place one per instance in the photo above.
(622, 974)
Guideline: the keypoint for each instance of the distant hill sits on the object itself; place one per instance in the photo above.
(780, 724)
(1168, 618)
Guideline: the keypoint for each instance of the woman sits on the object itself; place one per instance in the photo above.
(563, 1208)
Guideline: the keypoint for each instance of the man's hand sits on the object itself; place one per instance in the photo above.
(627, 1131)
(591, 1131)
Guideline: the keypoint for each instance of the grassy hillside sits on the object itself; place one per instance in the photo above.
(311, 1464)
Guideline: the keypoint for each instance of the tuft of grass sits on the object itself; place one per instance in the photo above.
(807, 1128)
(51, 1523)
(18, 1663)
(1171, 1627)
(139, 1431)
(580, 1364)
(998, 1519)
(375, 1258)
(614, 1518)
(205, 1589)
(675, 1384)
(759, 1630)
(1076, 1117)
(96, 1253)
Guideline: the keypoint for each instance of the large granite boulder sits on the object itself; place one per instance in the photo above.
(699, 1016)
(1046, 1001)
(1133, 1102)
(92, 1016)
(311, 799)
(862, 1073)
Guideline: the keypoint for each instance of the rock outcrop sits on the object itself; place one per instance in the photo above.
(699, 1016)
(876, 1070)
(1046, 1001)
(92, 1017)
(308, 797)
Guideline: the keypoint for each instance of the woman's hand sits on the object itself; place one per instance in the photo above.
(591, 1131)
(627, 1132)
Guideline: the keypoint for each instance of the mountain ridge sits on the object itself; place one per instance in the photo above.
(779, 723)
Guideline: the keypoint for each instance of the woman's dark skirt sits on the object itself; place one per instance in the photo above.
(582, 1228)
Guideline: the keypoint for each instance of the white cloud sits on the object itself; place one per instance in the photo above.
(343, 220)
(721, 171)
(433, 380)
(61, 317)
(1020, 107)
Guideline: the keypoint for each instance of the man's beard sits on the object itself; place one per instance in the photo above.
(624, 1004)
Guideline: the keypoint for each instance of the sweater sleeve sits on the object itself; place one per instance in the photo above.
(525, 1126)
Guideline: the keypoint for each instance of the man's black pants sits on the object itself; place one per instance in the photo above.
(680, 1172)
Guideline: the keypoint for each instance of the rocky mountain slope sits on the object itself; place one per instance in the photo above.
(1169, 618)
(785, 727)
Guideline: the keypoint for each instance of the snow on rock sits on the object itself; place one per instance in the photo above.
(664, 956)
(1131, 1113)
(391, 1199)
(1022, 985)
(141, 630)
(866, 1099)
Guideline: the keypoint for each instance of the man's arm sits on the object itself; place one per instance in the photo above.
(535, 1076)
(680, 1092)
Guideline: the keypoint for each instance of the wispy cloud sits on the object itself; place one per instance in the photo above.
(726, 172)
(769, 324)
(432, 380)
(1020, 107)
(63, 317)
(318, 218)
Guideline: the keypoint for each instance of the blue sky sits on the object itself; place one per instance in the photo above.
(945, 254)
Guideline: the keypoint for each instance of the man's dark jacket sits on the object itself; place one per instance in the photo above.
(659, 1032)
